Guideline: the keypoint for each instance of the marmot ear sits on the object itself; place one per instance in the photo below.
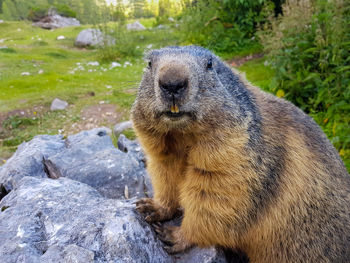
(210, 63)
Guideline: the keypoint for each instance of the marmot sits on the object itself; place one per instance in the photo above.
(251, 171)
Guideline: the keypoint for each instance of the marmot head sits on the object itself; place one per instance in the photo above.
(182, 87)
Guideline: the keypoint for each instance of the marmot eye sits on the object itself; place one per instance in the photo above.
(149, 64)
(210, 64)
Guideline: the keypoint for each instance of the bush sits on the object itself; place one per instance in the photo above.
(37, 13)
(224, 26)
(309, 48)
(65, 10)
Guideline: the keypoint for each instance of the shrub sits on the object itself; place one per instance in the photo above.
(65, 10)
(309, 48)
(224, 26)
(37, 13)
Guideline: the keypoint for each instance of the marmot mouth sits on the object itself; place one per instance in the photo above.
(174, 115)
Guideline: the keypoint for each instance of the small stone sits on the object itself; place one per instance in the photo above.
(93, 63)
(162, 27)
(115, 64)
(61, 37)
(58, 104)
(135, 26)
(40, 71)
(126, 64)
(25, 74)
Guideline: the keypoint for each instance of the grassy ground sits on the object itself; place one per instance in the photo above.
(97, 95)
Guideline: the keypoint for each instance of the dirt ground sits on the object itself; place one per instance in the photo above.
(95, 116)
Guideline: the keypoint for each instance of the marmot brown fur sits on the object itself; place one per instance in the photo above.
(251, 171)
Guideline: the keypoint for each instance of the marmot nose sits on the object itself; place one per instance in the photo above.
(174, 86)
(173, 78)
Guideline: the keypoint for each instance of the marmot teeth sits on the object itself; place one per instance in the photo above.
(174, 109)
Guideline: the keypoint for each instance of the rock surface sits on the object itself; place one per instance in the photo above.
(135, 26)
(58, 104)
(45, 220)
(93, 37)
(64, 200)
(54, 20)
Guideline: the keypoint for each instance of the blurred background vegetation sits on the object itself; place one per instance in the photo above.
(295, 49)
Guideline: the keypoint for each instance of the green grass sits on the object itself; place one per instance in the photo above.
(35, 50)
(57, 59)
(257, 73)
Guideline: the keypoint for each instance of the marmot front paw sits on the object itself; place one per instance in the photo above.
(152, 211)
(173, 238)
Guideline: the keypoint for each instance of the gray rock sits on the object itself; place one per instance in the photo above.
(93, 37)
(54, 20)
(72, 221)
(58, 104)
(162, 27)
(70, 253)
(122, 126)
(65, 220)
(28, 160)
(135, 26)
(210, 255)
(90, 157)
